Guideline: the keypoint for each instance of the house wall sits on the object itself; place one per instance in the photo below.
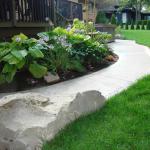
(91, 11)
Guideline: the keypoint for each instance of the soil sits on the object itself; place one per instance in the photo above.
(24, 80)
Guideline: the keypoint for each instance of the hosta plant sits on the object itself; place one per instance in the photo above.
(61, 50)
(21, 54)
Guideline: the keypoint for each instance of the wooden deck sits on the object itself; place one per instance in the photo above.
(24, 15)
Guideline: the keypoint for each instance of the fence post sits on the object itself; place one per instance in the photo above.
(14, 21)
(54, 11)
(71, 11)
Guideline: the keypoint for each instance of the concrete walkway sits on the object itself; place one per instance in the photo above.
(25, 119)
(133, 63)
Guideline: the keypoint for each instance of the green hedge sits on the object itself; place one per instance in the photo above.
(132, 25)
(101, 17)
(113, 19)
(148, 25)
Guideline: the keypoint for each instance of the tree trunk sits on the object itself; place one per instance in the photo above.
(138, 10)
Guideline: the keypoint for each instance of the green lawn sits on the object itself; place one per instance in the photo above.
(122, 124)
(140, 36)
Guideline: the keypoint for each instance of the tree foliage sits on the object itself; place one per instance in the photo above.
(137, 4)
(101, 18)
(113, 19)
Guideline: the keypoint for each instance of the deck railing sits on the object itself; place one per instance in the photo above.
(26, 12)
(36, 13)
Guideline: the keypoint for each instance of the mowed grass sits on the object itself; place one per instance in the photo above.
(122, 124)
(140, 36)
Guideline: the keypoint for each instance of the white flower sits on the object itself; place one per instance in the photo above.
(77, 31)
(69, 27)
(82, 31)
(18, 39)
(50, 46)
(41, 41)
(45, 38)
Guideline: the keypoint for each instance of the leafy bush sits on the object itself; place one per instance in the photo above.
(145, 22)
(126, 26)
(81, 27)
(113, 19)
(139, 22)
(21, 54)
(148, 25)
(138, 25)
(83, 47)
(58, 55)
(103, 37)
(60, 50)
(79, 45)
(122, 26)
(132, 25)
(143, 25)
(101, 18)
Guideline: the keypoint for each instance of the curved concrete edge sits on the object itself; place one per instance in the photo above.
(133, 63)
(25, 124)
(146, 48)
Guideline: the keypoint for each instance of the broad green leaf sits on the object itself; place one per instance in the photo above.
(24, 53)
(21, 64)
(38, 71)
(10, 59)
(4, 52)
(9, 76)
(4, 45)
(17, 54)
(35, 53)
(19, 38)
(8, 68)
(2, 79)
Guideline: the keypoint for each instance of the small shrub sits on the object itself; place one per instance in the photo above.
(148, 25)
(143, 25)
(129, 22)
(132, 25)
(21, 54)
(118, 30)
(138, 26)
(101, 18)
(102, 37)
(122, 26)
(126, 26)
(113, 19)
(145, 22)
(139, 22)
(118, 23)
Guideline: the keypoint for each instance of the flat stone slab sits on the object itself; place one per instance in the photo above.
(26, 120)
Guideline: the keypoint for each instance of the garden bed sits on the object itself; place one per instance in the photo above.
(54, 56)
(25, 81)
